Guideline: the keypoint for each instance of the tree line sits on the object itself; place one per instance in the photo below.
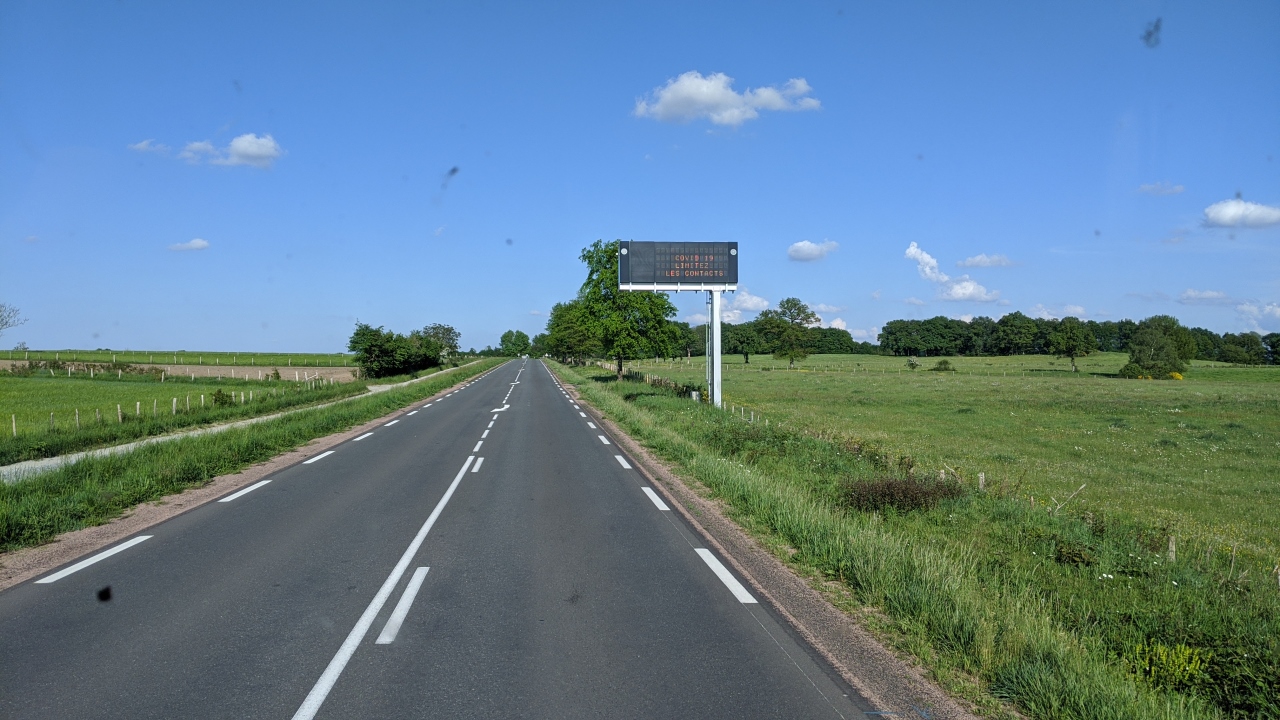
(383, 353)
(1017, 334)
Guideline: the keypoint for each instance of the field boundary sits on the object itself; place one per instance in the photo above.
(17, 472)
(880, 675)
(21, 565)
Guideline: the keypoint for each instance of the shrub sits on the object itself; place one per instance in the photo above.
(901, 494)
(221, 397)
(943, 365)
(1178, 668)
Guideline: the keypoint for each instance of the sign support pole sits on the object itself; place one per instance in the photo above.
(716, 367)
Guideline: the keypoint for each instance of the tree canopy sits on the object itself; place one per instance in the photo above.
(514, 343)
(628, 325)
(382, 353)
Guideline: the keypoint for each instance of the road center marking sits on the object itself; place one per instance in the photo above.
(245, 491)
(485, 434)
(315, 698)
(402, 608)
(476, 467)
(362, 437)
(656, 500)
(86, 563)
(490, 424)
(477, 447)
(319, 457)
(725, 576)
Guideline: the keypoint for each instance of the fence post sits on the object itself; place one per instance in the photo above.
(119, 414)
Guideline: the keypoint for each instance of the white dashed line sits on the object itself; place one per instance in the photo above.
(245, 491)
(582, 414)
(603, 439)
(413, 412)
(321, 456)
(591, 425)
(424, 407)
(393, 422)
(728, 579)
(622, 461)
(490, 423)
(476, 467)
(477, 447)
(362, 437)
(86, 563)
(485, 434)
(656, 500)
(402, 608)
(495, 417)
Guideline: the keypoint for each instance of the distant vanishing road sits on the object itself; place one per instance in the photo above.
(490, 555)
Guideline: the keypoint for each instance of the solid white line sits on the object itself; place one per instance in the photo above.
(402, 608)
(485, 434)
(477, 447)
(320, 691)
(656, 500)
(623, 462)
(603, 439)
(393, 422)
(245, 491)
(362, 437)
(591, 425)
(729, 580)
(86, 563)
(491, 422)
(479, 462)
(413, 412)
(321, 456)
(582, 413)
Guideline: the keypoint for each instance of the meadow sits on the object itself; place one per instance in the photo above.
(1064, 609)
(182, 357)
(1200, 456)
(49, 416)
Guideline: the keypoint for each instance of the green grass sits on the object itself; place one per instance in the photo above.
(95, 490)
(1199, 457)
(146, 404)
(1075, 614)
(183, 357)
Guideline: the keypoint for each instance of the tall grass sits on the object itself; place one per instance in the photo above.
(183, 357)
(95, 490)
(1066, 615)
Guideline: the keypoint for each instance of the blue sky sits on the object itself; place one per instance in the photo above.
(310, 149)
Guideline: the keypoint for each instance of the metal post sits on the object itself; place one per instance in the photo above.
(716, 368)
(706, 343)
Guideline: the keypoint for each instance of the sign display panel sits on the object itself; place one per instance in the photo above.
(677, 265)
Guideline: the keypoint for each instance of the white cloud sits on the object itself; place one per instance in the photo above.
(194, 152)
(1073, 310)
(149, 145)
(984, 260)
(805, 251)
(1160, 188)
(875, 295)
(248, 149)
(1239, 213)
(823, 307)
(1043, 312)
(839, 324)
(1204, 297)
(962, 288)
(692, 96)
(536, 312)
(194, 244)
(914, 301)
(865, 335)
(1258, 310)
(439, 231)
(967, 317)
(743, 300)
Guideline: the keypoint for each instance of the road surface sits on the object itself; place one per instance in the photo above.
(491, 554)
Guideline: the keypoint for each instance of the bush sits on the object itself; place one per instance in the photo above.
(221, 398)
(901, 494)
(943, 365)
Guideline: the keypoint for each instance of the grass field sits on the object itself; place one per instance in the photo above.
(1200, 456)
(1076, 613)
(183, 357)
(145, 406)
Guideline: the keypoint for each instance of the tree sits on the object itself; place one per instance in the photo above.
(382, 353)
(1243, 349)
(571, 334)
(741, 340)
(1017, 334)
(630, 325)
(1072, 339)
(513, 343)
(445, 335)
(10, 317)
(1152, 353)
(1184, 342)
(786, 327)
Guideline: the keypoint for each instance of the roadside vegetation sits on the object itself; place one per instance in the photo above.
(95, 490)
(1076, 606)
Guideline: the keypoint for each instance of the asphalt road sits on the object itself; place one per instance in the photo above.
(491, 555)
